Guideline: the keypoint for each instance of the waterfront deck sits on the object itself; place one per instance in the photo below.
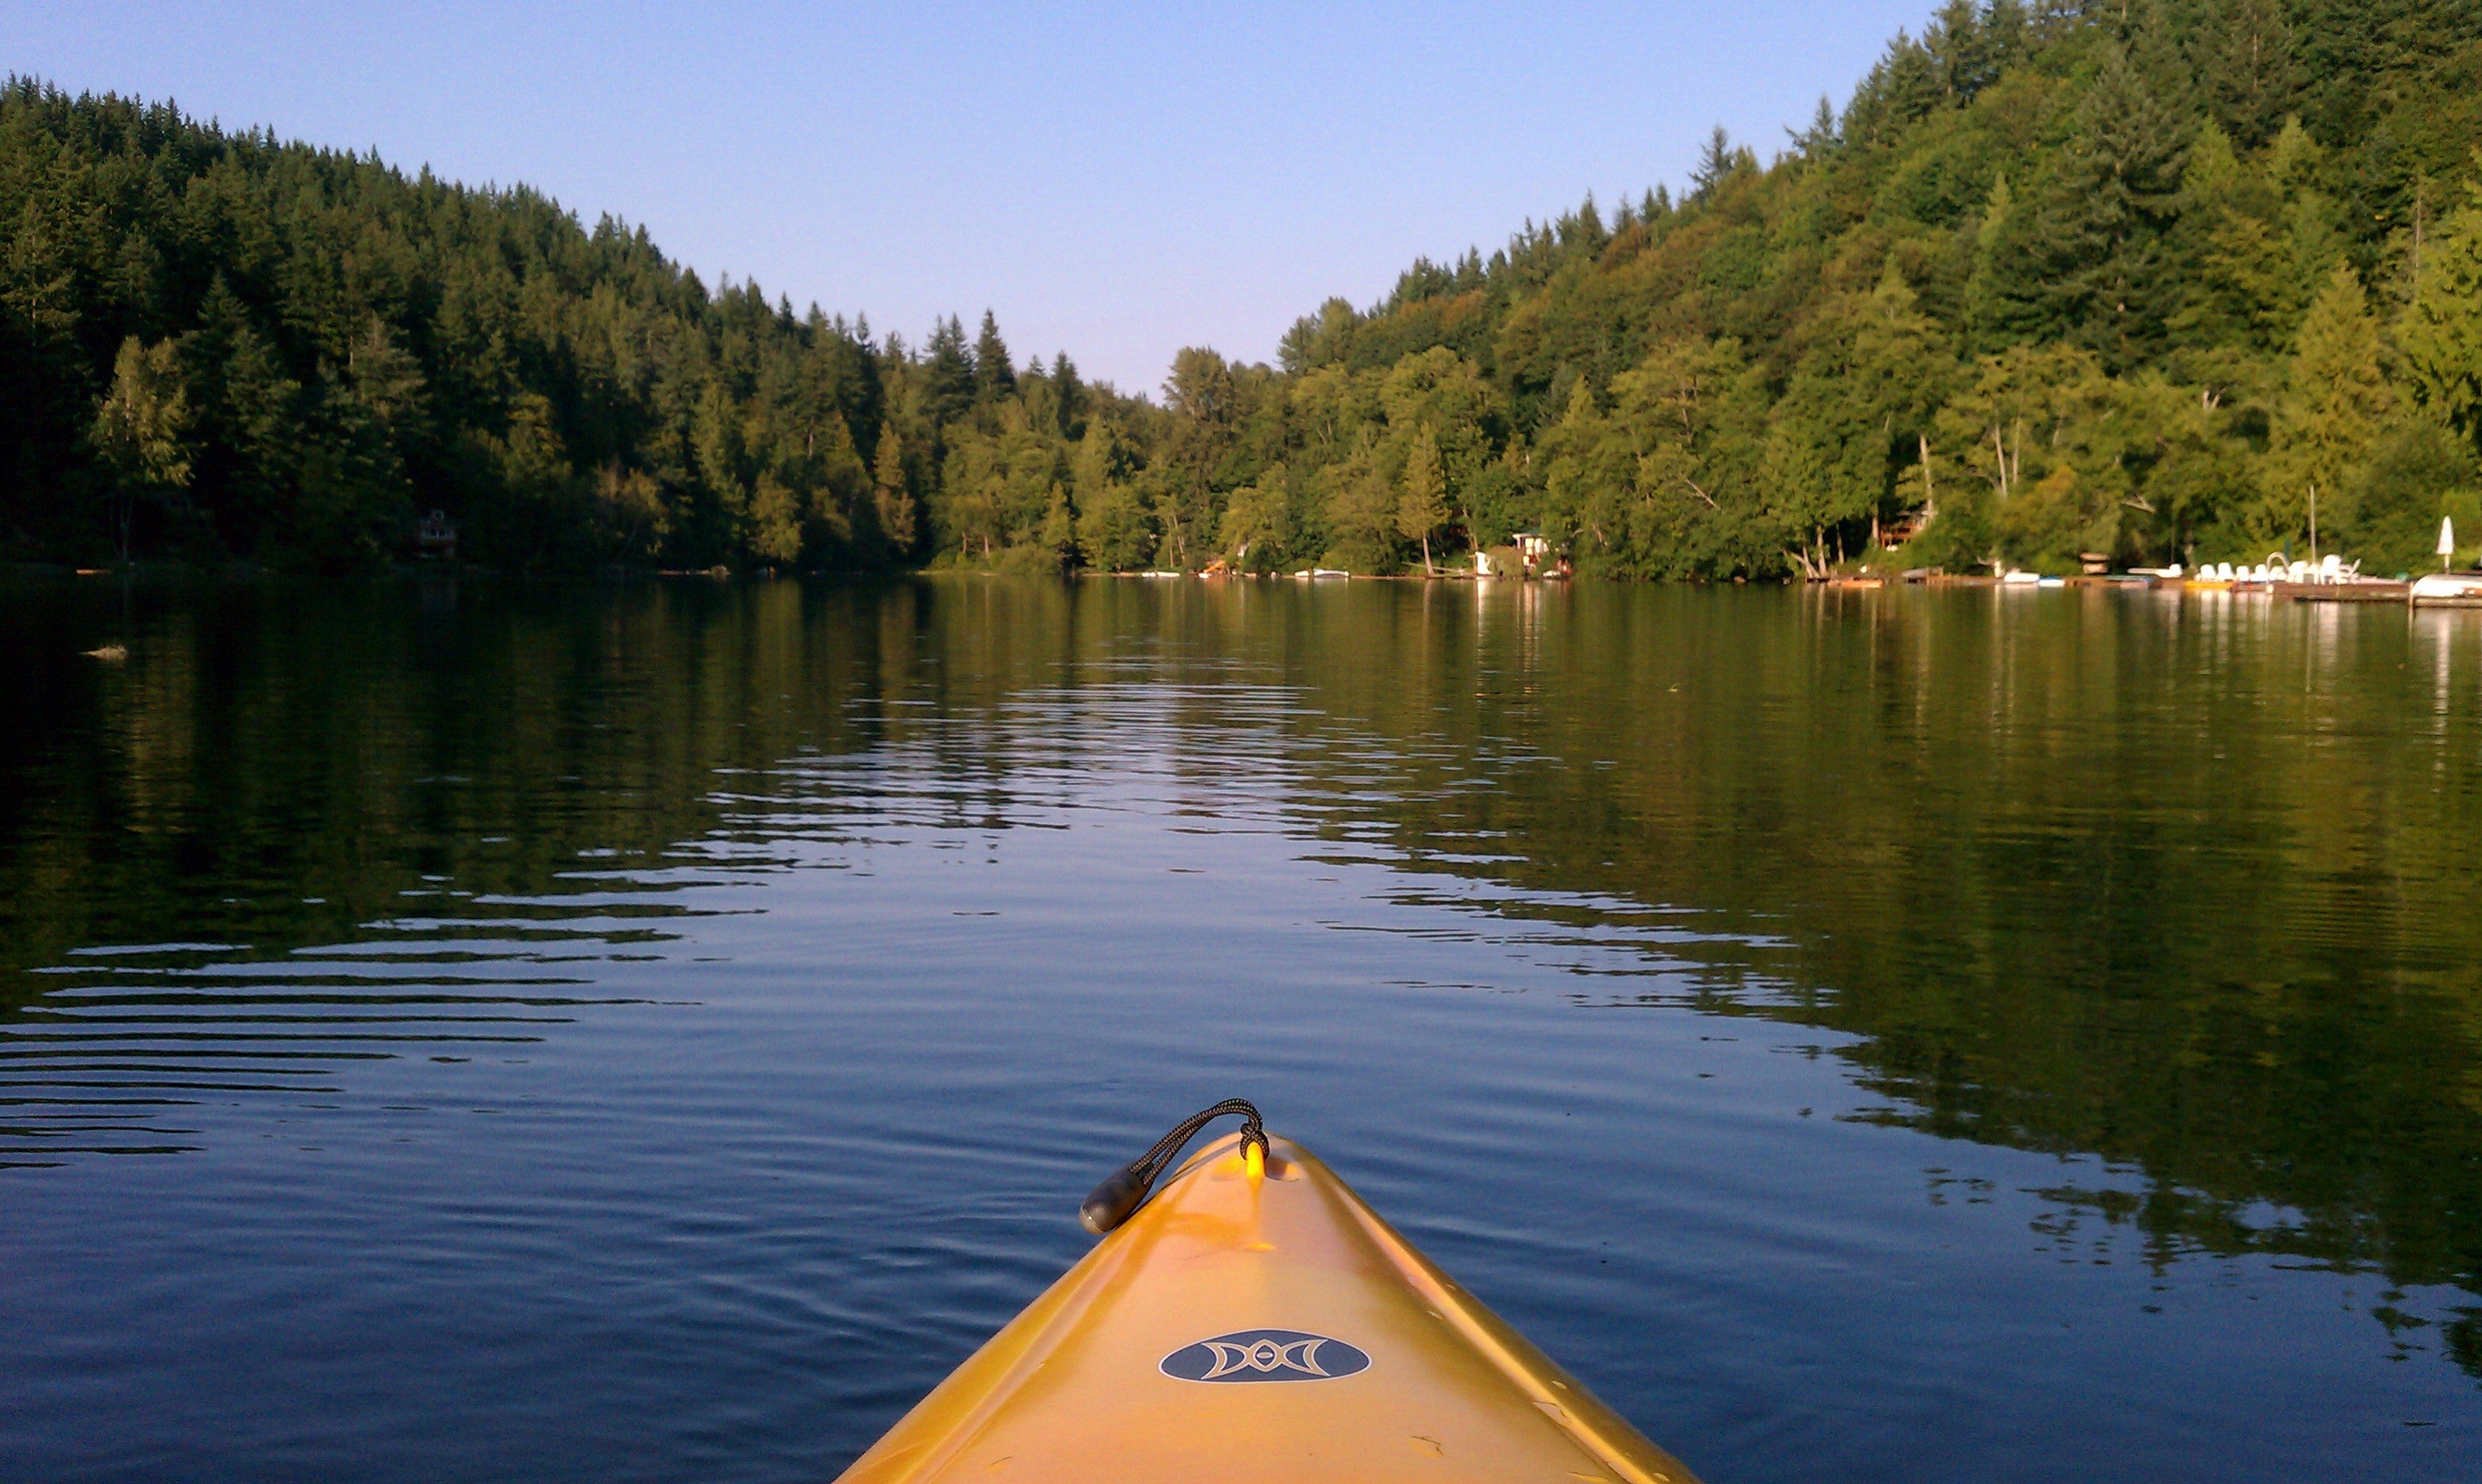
(2343, 592)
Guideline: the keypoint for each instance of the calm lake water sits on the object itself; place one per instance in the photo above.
(468, 1031)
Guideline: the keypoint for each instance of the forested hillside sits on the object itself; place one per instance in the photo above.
(2150, 278)
(217, 345)
(2130, 278)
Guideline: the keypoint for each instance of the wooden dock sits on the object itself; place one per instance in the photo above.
(2343, 592)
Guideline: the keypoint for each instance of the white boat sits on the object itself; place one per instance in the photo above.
(2457, 589)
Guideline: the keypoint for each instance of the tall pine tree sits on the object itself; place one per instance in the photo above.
(2441, 330)
(2087, 263)
(2334, 409)
(994, 378)
(2243, 54)
(948, 374)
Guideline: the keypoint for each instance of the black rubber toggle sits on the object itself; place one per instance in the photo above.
(1125, 1189)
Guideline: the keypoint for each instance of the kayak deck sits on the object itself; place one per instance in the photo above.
(1259, 1329)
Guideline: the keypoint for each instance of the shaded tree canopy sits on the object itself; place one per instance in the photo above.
(2057, 278)
(218, 345)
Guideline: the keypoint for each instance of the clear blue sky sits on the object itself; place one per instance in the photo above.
(1117, 181)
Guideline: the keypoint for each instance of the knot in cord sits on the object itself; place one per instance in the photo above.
(1127, 1189)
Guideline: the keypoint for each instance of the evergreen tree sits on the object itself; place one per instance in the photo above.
(1069, 396)
(383, 385)
(1907, 86)
(2243, 52)
(262, 409)
(246, 414)
(2006, 29)
(1059, 533)
(2149, 33)
(1962, 53)
(1716, 162)
(2056, 20)
(2088, 265)
(892, 495)
(1992, 289)
(2336, 409)
(949, 374)
(1814, 143)
(2441, 331)
(994, 378)
(2107, 207)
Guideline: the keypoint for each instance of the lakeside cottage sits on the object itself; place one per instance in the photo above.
(1528, 555)
(437, 534)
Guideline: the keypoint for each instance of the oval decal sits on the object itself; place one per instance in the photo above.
(1265, 1355)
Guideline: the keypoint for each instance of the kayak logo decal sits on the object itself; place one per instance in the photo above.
(1265, 1355)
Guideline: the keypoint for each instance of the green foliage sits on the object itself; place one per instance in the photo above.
(994, 378)
(1422, 493)
(2416, 471)
(2058, 280)
(2085, 263)
(2441, 334)
(2246, 68)
(2336, 408)
(892, 495)
(326, 349)
(138, 429)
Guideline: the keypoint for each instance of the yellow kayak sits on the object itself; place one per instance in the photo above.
(1256, 1322)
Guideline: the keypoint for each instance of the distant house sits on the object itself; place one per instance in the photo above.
(436, 535)
(1528, 555)
(1904, 528)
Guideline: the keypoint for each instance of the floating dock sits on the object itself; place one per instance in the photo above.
(2343, 592)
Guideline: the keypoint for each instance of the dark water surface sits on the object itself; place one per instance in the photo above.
(654, 1033)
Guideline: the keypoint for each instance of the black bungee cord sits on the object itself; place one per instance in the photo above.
(1127, 1189)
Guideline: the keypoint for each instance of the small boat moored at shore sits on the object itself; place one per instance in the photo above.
(2448, 590)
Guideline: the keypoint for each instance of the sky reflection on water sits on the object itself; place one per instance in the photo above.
(658, 1031)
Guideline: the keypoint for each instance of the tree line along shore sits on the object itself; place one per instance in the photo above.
(2147, 279)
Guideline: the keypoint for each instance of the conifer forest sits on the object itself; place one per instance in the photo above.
(2162, 281)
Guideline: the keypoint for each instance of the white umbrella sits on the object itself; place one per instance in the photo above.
(2446, 540)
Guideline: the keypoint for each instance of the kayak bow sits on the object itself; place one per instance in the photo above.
(1256, 1322)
